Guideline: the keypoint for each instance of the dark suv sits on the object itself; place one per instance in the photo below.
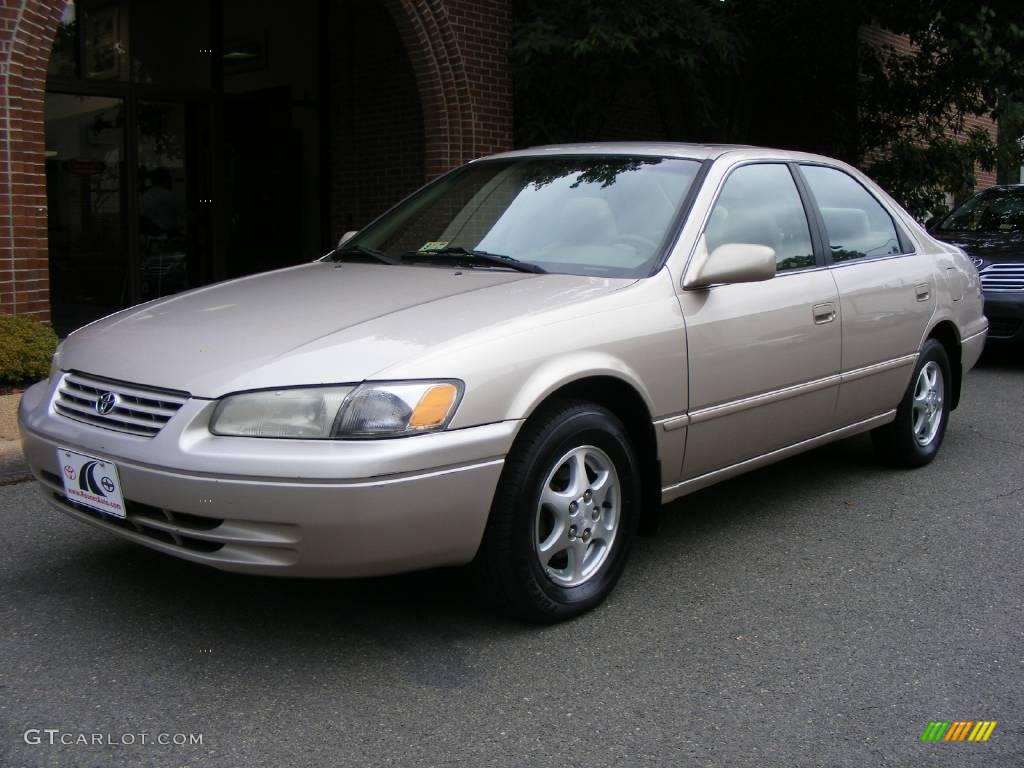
(990, 229)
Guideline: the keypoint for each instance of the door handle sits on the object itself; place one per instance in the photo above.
(923, 291)
(824, 313)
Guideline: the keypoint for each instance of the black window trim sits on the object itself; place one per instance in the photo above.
(675, 228)
(822, 254)
(907, 245)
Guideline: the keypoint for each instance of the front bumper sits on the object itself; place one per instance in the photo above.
(286, 507)
(1005, 313)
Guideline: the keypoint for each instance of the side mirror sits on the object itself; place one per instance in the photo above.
(346, 237)
(730, 263)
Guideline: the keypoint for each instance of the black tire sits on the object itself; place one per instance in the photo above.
(508, 568)
(897, 443)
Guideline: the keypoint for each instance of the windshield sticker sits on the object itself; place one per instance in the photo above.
(434, 246)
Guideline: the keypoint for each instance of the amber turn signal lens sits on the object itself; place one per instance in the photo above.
(433, 407)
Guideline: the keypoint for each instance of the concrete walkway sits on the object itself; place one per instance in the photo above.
(9, 440)
(12, 465)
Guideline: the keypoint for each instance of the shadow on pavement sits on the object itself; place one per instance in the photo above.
(150, 588)
(1003, 357)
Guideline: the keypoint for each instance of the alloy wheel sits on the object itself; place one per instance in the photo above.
(926, 409)
(577, 516)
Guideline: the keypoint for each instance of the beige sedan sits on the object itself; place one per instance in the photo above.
(514, 368)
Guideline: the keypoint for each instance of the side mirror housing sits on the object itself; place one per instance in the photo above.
(346, 237)
(730, 263)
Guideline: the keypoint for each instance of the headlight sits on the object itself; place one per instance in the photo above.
(307, 412)
(55, 361)
(401, 408)
(371, 410)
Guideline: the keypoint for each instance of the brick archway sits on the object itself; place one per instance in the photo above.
(29, 29)
(459, 52)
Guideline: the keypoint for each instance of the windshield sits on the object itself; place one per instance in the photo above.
(590, 215)
(991, 212)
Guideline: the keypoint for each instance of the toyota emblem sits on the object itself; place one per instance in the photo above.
(105, 403)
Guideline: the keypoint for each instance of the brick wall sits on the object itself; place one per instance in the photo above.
(27, 28)
(422, 87)
(377, 138)
(901, 43)
(459, 53)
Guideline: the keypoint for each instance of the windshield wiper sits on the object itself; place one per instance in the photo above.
(360, 250)
(472, 256)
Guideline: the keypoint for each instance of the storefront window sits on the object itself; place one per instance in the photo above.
(89, 275)
(171, 43)
(64, 55)
(169, 150)
(163, 201)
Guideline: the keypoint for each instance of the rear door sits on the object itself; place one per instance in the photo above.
(886, 292)
(764, 357)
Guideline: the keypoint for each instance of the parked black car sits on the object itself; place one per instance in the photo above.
(990, 229)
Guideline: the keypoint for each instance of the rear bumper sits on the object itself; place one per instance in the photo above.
(971, 349)
(285, 507)
(1005, 313)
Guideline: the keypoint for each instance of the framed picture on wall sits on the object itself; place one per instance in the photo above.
(104, 45)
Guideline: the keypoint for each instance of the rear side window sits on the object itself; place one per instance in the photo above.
(759, 204)
(856, 224)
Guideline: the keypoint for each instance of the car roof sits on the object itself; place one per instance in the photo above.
(655, 149)
(1004, 188)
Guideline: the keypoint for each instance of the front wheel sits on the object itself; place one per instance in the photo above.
(563, 516)
(914, 437)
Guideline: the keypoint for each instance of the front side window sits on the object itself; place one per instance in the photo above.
(856, 224)
(991, 212)
(759, 204)
(587, 215)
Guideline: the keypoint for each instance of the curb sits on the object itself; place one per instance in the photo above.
(13, 469)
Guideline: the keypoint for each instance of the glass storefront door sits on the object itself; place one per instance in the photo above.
(173, 210)
(129, 210)
(89, 273)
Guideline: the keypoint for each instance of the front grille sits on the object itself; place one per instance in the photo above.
(179, 529)
(138, 409)
(1003, 277)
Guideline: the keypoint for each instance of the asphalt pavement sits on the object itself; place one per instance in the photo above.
(820, 612)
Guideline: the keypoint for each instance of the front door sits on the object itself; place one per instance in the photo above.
(764, 358)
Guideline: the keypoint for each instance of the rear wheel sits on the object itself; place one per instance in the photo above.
(563, 516)
(914, 437)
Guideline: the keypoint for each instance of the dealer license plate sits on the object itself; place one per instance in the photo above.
(91, 482)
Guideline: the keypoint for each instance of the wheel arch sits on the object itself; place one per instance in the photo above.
(627, 402)
(946, 333)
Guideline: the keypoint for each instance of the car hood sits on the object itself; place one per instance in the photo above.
(992, 246)
(318, 323)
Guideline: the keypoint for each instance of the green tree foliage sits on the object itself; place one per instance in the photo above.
(788, 74)
(968, 60)
(26, 347)
(571, 57)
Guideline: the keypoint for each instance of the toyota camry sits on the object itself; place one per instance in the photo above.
(514, 368)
